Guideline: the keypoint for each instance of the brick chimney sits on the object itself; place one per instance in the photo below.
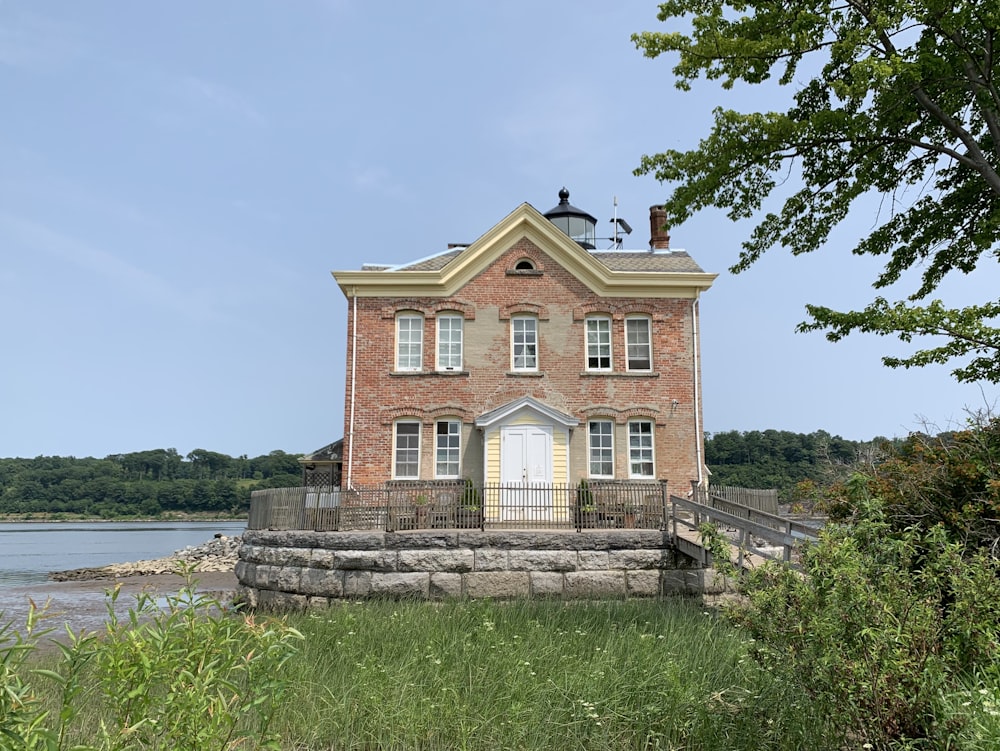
(659, 238)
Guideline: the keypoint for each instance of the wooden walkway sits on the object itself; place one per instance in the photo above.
(744, 525)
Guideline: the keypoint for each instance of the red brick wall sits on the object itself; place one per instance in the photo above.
(486, 382)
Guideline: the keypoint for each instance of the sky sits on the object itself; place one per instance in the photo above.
(178, 180)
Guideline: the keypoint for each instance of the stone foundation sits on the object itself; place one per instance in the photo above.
(300, 569)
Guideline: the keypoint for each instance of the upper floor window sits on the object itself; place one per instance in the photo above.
(448, 444)
(640, 448)
(601, 448)
(598, 343)
(524, 342)
(449, 342)
(409, 341)
(638, 344)
(406, 451)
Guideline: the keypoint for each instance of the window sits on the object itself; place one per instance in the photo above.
(409, 342)
(639, 355)
(598, 343)
(602, 454)
(448, 440)
(525, 264)
(449, 342)
(640, 448)
(406, 464)
(524, 340)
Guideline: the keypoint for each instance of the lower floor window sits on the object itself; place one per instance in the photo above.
(406, 463)
(640, 448)
(602, 456)
(448, 436)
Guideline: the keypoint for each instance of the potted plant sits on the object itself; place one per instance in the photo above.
(470, 512)
(422, 505)
(586, 510)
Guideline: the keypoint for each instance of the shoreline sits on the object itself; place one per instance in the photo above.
(78, 599)
(82, 606)
(214, 556)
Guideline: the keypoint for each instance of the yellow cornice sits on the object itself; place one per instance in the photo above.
(524, 221)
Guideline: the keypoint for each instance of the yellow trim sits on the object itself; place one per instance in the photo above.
(523, 222)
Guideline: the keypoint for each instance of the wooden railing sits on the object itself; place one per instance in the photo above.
(742, 524)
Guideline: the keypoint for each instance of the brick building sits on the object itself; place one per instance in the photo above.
(527, 356)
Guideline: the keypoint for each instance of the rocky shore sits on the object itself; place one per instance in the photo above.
(216, 555)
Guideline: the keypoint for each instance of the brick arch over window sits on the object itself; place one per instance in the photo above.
(442, 411)
(643, 412)
(389, 415)
(617, 311)
(423, 307)
(541, 312)
(468, 310)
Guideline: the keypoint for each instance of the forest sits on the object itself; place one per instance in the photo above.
(141, 484)
(162, 482)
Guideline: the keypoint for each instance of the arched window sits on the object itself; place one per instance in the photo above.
(524, 343)
(409, 341)
(598, 340)
(449, 341)
(447, 449)
(638, 343)
(601, 448)
(406, 450)
(525, 264)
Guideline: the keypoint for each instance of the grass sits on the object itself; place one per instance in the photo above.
(533, 675)
(635, 674)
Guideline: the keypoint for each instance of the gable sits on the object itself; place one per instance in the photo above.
(607, 274)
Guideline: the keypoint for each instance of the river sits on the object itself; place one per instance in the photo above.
(30, 550)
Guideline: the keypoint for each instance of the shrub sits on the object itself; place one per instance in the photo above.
(184, 674)
(880, 625)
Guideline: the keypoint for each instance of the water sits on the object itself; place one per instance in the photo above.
(29, 551)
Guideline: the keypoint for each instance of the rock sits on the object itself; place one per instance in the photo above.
(218, 554)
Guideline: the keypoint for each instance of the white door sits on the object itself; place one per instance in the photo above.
(526, 472)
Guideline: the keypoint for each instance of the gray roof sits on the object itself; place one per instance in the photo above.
(677, 261)
(331, 452)
(641, 260)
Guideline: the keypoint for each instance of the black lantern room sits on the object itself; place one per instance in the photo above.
(578, 224)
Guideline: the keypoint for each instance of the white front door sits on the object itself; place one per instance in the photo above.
(526, 472)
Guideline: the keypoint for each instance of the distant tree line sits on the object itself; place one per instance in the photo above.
(797, 464)
(141, 483)
(151, 483)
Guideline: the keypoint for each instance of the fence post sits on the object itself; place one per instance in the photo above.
(696, 497)
(664, 519)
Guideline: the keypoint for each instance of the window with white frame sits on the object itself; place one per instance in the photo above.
(640, 448)
(448, 444)
(406, 454)
(449, 342)
(409, 341)
(638, 344)
(524, 342)
(601, 448)
(598, 343)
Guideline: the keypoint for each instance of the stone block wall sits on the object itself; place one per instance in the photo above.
(300, 569)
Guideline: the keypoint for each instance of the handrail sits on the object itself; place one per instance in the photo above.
(781, 532)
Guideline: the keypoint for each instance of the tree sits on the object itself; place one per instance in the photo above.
(903, 103)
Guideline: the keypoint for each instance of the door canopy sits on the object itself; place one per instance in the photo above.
(526, 405)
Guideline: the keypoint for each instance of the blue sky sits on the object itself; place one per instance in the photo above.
(177, 181)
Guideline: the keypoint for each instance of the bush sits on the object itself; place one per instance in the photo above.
(881, 626)
(185, 675)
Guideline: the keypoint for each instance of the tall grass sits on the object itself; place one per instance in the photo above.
(404, 675)
(534, 675)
